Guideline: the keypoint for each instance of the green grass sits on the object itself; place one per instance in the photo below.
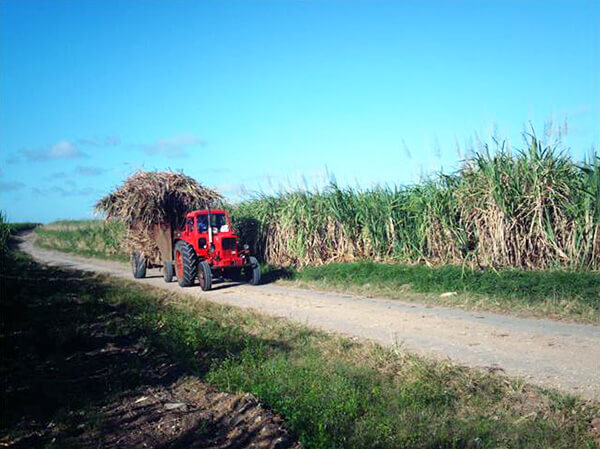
(86, 238)
(5, 232)
(331, 391)
(23, 226)
(74, 223)
(7, 229)
(557, 294)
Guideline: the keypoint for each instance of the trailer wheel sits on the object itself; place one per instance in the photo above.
(204, 276)
(138, 265)
(168, 271)
(252, 274)
(185, 264)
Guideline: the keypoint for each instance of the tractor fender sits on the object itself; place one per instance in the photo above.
(173, 247)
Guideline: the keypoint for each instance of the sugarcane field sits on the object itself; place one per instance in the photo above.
(300, 224)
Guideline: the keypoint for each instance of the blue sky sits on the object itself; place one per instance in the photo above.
(248, 96)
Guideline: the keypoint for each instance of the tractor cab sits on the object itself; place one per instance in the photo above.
(210, 233)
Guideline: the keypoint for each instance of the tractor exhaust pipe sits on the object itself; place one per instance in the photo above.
(210, 234)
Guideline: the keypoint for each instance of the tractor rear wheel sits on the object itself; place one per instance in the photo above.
(168, 271)
(138, 265)
(252, 273)
(186, 264)
(204, 276)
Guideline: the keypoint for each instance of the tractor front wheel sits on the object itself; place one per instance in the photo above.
(204, 276)
(138, 265)
(186, 264)
(252, 273)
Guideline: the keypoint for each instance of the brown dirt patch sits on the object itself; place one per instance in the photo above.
(187, 414)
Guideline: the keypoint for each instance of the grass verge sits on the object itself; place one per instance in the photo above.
(551, 294)
(332, 391)
(86, 238)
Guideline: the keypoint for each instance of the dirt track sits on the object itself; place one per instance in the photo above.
(544, 352)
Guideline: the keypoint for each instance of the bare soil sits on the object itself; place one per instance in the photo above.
(187, 414)
(559, 355)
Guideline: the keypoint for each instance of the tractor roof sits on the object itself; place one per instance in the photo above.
(205, 211)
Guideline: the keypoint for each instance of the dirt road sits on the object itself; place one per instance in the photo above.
(543, 352)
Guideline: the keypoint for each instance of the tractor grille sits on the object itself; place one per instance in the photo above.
(229, 244)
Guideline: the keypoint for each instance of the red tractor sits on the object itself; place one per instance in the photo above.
(206, 247)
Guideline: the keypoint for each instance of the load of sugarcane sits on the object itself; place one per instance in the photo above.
(150, 199)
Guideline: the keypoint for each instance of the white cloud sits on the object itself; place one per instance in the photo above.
(89, 171)
(60, 191)
(12, 159)
(58, 175)
(107, 141)
(172, 147)
(60, 150)
(11, 186)
(63, 149)
(72, 192)
(91, 141)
